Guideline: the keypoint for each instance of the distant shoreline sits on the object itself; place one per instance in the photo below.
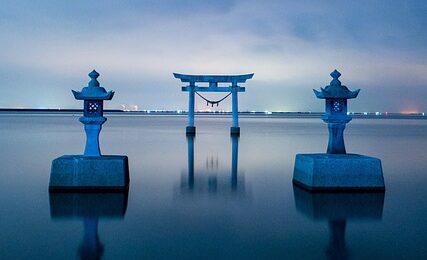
(268, 114)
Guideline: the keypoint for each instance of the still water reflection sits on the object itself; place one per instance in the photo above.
(337, 209)
(212, 179)
(88, 208)
(211, 197)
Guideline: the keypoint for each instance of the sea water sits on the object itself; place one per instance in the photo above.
(195, 199)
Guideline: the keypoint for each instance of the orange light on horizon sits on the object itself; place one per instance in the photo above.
(409, 111)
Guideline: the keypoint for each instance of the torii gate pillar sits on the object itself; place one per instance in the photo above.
(191, 129)
(235, 129)
(213, 81)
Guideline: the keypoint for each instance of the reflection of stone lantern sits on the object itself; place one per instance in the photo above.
(336, 96)
(89, 207)
(338, 209)
(337, 170)
(91, 171)
(93, 96)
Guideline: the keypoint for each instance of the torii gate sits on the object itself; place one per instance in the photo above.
(213, 81)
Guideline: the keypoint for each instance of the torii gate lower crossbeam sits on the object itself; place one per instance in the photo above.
(213, 81)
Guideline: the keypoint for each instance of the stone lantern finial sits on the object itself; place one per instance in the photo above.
(93, 79)
(93, 91)
(335, 75)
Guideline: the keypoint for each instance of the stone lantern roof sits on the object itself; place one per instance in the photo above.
(335, 89)
(93, 90)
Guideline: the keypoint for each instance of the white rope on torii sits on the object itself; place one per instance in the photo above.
(212, 102)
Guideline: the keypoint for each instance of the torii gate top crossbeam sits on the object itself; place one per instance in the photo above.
(213, 81)
(213, 78)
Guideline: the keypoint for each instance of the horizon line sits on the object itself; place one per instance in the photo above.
(180, 111)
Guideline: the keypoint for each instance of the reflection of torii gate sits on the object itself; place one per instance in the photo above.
(213, 87)
(234, 161)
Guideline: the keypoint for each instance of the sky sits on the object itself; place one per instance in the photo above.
(47, 48)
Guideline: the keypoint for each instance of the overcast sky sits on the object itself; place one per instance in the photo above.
(47, 48)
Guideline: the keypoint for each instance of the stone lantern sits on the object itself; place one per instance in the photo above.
(336, 170)
(335, 116)
(91, 171)
(93, 96)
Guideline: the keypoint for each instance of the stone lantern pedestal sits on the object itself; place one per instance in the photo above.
(91, 171)
(97, 173)
(337, 170)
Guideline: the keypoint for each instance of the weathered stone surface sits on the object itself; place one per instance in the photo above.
(78, 172)
(338, 172)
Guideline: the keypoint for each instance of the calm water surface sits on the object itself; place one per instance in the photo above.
(213, 197)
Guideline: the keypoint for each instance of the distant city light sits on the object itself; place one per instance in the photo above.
(409, 111)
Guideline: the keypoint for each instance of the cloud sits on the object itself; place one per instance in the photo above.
(291, 46)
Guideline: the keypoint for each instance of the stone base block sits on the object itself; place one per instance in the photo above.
(86, 173)
(338, 172)
(190, 130)
(235, 130)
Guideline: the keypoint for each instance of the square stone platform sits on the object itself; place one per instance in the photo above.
(340, 172)
(89, 173)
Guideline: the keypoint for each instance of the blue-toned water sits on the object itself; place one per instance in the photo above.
(246, 208)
